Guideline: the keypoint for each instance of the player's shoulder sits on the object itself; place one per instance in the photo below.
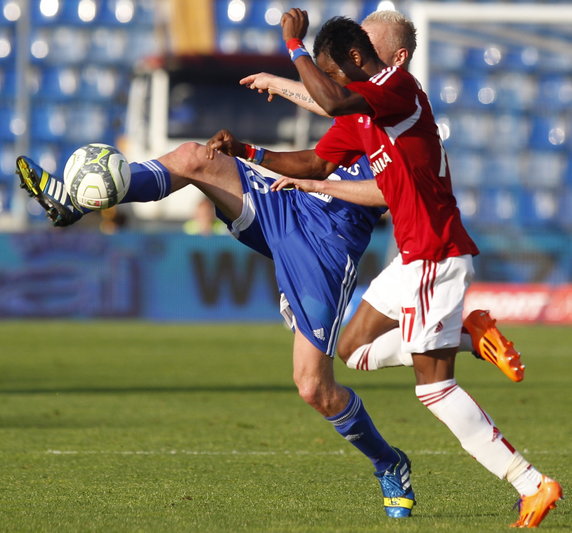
(392, 75)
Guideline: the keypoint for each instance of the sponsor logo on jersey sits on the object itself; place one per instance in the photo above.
(379, 160)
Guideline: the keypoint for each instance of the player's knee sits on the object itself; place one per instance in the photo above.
(346, 346)
(313, 394)
(187, 158)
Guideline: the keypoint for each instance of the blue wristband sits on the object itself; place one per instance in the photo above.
(298, 52)
(258, 155)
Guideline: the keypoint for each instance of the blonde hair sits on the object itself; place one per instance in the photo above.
(405, 35)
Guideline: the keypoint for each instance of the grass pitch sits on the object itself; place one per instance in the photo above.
(155, 427)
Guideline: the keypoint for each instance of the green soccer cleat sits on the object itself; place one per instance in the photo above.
(49, 191)
(395, 482)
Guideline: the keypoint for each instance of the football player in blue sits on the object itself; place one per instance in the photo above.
(315, 242)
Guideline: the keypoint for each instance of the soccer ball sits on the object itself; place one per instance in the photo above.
(97, 176)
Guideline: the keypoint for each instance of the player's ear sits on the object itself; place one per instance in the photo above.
(400, 57)
(356, 57)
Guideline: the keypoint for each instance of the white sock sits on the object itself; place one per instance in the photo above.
(469, 423)
(383, 352)
(523, 476)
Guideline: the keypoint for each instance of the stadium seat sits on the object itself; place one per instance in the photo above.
(543, 169)
(91, 123)
(59, 83)
(554, 92)
(111, 46)
(515, 91)
(6, 116)
(538, 208)
(98, 83)
(502, 169)
(446, 56)
(549, 132)
(444, 91)
(7, 41)
(466, 167)
(471, 130)
(7, 82)
(511, 132)
(564, 215)
(498, 207)
(49, 122)
(478, 91)
(468, 203)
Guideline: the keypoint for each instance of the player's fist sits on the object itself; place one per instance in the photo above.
(225, 142)
(294, 24)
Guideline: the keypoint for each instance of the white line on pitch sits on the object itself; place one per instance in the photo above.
(260, 452)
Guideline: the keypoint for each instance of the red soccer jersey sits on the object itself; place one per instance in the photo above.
(409, 163)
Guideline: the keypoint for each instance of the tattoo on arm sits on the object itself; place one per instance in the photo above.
(286, 93)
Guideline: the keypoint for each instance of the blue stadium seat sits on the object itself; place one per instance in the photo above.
(99, 83)
(471, 130)
(515, 91)
(521, 58)
(66, 45)
(549, 132)
(554, 92)
(7, 40)
(466, 167)
(446, 56)
(116, 12)
(538, 208)
(49, 122)
(89, 123)
(59, 82)
(468, 201)
(6, 116)
(109, 46)
(499, 207)
(544, 169)
(444, 91)
(502, 169)
(478, 91)
(564, 216)
(511, 131)
(7, 160)
(7, 82)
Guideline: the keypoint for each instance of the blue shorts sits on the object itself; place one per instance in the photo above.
(316, 273)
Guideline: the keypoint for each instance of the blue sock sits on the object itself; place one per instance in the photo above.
(355, 425)
(150, 181)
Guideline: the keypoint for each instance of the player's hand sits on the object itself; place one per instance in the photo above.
(285, 182)
(260, 82)
(294, 24)
(225, 142)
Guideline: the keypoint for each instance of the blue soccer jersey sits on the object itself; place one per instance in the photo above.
(316, 242)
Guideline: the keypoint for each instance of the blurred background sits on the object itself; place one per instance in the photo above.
(145, 75)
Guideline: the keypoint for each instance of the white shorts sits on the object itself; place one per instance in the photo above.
(426, 298)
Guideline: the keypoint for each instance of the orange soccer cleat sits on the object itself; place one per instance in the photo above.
(491, 345)
(533, 509)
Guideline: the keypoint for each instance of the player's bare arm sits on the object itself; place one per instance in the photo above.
(291, 90)
(301, 164)
(322, 85)
(362, 192)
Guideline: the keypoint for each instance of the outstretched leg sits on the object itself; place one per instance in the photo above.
(314, 377)
(151, 180)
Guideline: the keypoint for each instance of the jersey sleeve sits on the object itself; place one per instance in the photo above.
(390, 94)
(341, 144)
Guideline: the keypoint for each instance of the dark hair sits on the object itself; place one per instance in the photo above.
(338, 35)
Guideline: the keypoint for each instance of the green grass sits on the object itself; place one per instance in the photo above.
(158, 427)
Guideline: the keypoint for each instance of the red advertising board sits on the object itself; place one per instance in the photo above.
(522, 303)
